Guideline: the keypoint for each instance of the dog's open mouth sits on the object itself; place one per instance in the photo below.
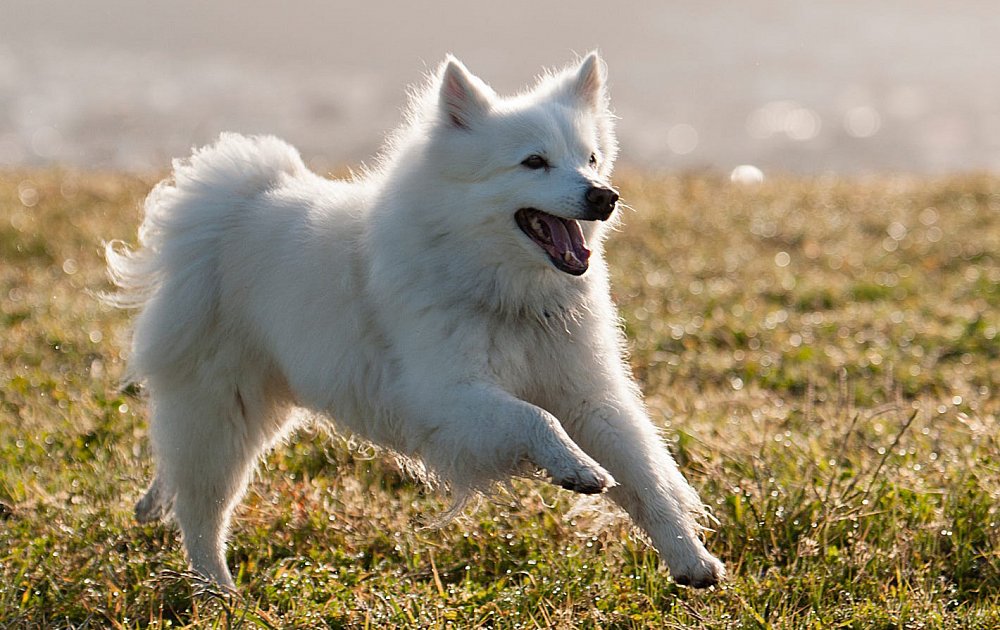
(562, 239)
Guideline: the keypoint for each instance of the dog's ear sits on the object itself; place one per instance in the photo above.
(586, 84)
(464, 98)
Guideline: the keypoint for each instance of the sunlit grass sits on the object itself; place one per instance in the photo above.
(822, 355)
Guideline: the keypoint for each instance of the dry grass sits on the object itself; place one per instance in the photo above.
(823, 355)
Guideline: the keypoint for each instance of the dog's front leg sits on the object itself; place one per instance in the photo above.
(477, 434)
(617, 432)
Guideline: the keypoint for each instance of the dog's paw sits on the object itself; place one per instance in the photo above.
(704, 571)
(587, 480)
(148, 512)
(150, 507)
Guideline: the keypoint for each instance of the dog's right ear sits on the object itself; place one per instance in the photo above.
(464, 98)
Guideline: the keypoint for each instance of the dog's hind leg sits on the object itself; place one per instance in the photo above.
(207, 437)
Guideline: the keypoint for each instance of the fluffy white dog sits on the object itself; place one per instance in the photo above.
(451, 304)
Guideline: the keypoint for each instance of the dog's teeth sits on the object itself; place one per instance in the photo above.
(570, 257)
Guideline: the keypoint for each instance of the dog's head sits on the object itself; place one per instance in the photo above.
(534, 167)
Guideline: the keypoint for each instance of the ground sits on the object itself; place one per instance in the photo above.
(821, 353)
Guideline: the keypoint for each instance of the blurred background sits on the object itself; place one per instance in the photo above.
(845, 86)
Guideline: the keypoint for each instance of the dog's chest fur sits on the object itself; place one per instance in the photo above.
(535, 360)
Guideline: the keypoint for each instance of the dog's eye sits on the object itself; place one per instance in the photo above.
(535, 162)
(593, 159)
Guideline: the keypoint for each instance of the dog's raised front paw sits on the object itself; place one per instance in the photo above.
(589, 480)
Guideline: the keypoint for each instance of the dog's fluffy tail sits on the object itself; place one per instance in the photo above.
(173, 277)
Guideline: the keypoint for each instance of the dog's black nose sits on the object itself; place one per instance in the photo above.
(600, 202)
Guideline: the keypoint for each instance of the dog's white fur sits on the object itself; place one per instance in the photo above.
(405, 305)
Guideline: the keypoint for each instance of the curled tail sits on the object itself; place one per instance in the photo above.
(173, 277)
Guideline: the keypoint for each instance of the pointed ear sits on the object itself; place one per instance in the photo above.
(587, 83)
(464, 98)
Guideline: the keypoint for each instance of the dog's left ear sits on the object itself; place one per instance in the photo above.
(586, 84)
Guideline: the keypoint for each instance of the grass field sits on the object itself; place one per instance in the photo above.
(823, 356)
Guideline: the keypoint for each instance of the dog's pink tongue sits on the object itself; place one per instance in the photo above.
(567, 237)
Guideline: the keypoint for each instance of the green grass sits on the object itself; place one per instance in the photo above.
(822, 354)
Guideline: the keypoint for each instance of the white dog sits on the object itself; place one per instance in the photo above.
(451, 304)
